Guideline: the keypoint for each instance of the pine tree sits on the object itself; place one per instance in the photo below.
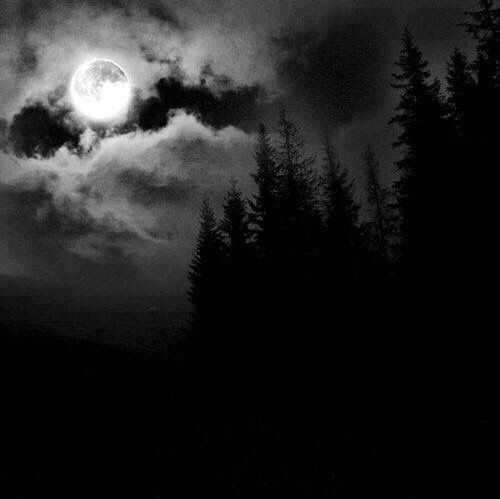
(423, 139)
(235, 278)
(481, 143)
(484, 26)
(378, 198)
(299, 217)
(465, 123)
(234, 225)
(264, 206)
(460, 86)
(420, 107)
(341, 217)
(205, 271)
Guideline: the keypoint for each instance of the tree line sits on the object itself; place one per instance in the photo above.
(298, 254)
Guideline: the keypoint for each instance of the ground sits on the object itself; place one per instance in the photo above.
(85, 419)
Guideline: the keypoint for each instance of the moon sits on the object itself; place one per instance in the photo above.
(100, 90)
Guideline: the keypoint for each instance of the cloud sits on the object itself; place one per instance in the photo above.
(218, 105)
(47, 233)
(38, 130)
(131, 195)
(35, 203)
(43, 45)
(339, 51)
(160, 11)
(338, 74)
(42, 127)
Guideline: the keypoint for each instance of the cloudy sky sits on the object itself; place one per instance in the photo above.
(119, 205)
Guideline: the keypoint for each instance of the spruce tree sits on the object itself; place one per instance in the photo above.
(484, 26)
(264, 206)
(482, 141)
(423, 140)
(378, 198)
(341, 217)
(460, 87)
(299, 216)
(235, 278)
(465, 121)
(205, 271)
(234, 225)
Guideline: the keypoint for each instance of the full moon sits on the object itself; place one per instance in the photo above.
(100, 90)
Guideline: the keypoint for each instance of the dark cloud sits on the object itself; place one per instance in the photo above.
(160, 11)
(39, 130)
(218, 108)
(337, 74)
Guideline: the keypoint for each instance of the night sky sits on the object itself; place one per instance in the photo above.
(106, 206)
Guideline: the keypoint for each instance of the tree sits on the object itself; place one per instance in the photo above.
(341, 217)
(264, 206)
(234, 225)
(481, 141)
(236, 278)
(460, 86)
(484, 26)
(204, 273)
(378, 198)
(466, 120)
(423, 140)
(299, 216)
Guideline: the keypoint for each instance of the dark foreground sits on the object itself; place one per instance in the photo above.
(84, 421)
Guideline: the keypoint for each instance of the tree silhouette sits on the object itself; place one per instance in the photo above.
(484, 27)
(235, 225)
(422, 139)
(465, 121)
(235, 279)
(204, 275)
(460, 87)
(341, 217)
(378, 199)
(479, 146)
(299, 216)
(264, 215)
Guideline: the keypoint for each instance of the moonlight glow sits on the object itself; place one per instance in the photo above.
(100, 90)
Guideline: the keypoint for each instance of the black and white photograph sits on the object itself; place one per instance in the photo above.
(247, 248)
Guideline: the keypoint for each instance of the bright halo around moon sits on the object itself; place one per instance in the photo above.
(100, 90)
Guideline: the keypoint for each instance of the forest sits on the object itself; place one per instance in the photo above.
(302, 269)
